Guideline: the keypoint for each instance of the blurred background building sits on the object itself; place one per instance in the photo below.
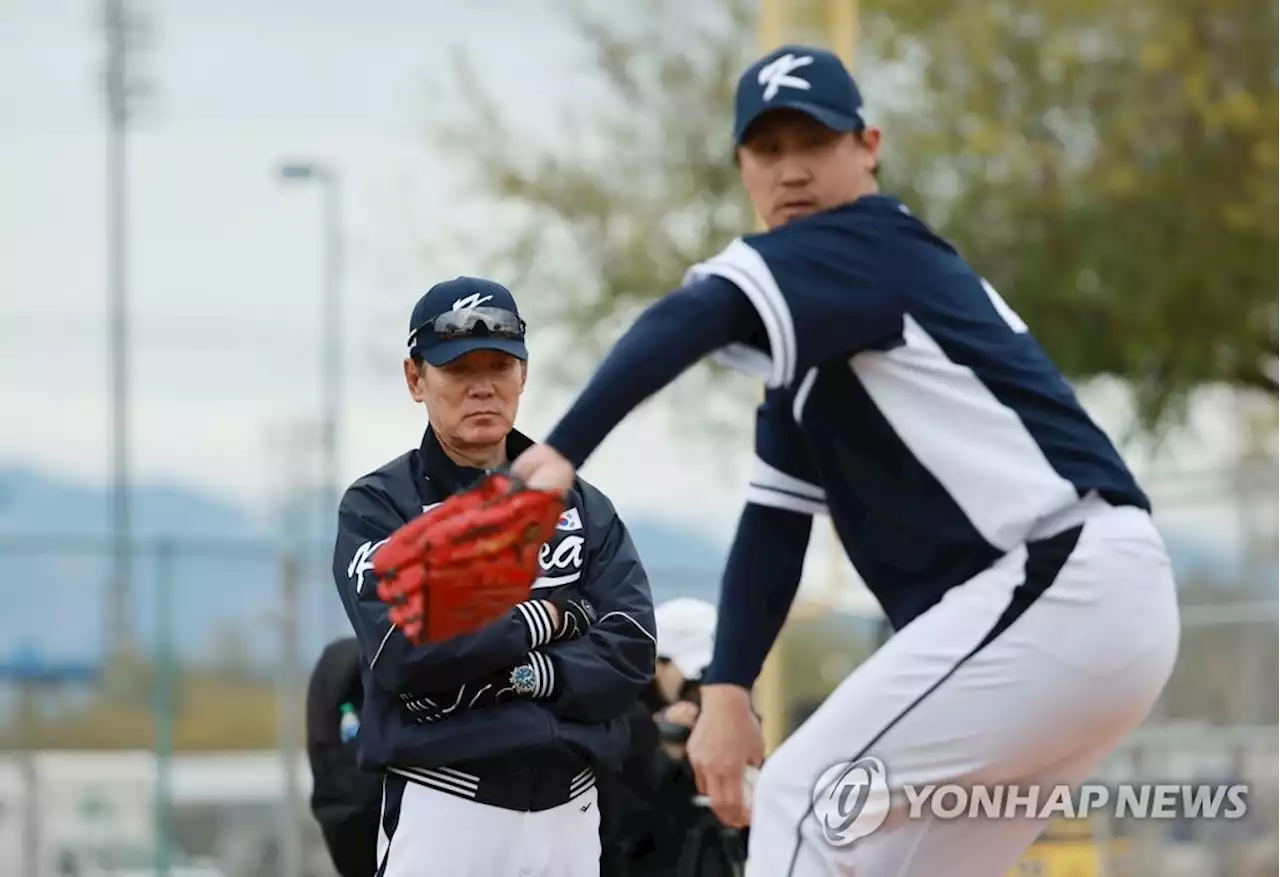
(194, 359)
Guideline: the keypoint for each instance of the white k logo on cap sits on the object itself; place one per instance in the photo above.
(471, 301)
(778, 74)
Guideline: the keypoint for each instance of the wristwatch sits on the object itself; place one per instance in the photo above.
(523, 679)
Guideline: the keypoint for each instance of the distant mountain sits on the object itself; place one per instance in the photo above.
(55, 563)
(32, 502)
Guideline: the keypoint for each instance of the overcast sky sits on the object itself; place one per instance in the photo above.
(224, 260)
(224, 277)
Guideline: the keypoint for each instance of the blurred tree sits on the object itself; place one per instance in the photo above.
(1110, 167)
(632, 192)
(212, 713)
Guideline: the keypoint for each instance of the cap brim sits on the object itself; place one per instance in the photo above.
(828, 118)
(443, 354)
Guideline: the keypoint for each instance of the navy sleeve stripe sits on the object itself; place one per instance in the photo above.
(747, 269)
(777, 499)
(765, 475)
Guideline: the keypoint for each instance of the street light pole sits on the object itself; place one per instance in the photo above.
(119, 81)
(333, 275)
(331, 359)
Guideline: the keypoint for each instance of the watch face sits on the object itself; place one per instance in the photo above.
(523, 679)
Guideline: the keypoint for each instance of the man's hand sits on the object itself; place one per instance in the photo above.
(726, 739)
(466, 562)
(682, 712)
(554, 611)
(571, 614)
(542, 467)
(574, 613)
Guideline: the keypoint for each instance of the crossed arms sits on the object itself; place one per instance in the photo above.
(590, 678)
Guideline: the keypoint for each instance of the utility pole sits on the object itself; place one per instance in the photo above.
(124, 32)
(290, 714)
(328, 178)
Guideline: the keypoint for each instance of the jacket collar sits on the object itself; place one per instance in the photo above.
(438, 467)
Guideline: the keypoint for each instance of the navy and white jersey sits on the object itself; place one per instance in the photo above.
(585, 685)
(906, 398)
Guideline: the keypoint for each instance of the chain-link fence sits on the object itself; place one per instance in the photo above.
(188, 738)
(183, 743)
(1169, 754)
(93, 721)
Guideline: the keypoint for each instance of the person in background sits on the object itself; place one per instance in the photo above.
(686, 636)
(491, 742)
(654, 828)
(346, 801)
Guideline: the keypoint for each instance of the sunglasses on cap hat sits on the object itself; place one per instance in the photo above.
(471, 322)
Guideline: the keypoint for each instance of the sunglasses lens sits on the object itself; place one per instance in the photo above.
(468, 322)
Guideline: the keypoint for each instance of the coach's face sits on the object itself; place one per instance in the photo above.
(472, 401)
(792, 165)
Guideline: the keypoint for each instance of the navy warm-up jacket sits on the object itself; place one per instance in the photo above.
(589, 682)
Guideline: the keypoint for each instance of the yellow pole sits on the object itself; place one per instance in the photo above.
(771, 25)
(842, 21)
(842, 38)
(842, 35)
(770, 700)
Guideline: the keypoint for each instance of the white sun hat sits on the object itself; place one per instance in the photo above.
(686, 634)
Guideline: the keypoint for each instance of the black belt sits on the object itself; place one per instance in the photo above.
(528, 780)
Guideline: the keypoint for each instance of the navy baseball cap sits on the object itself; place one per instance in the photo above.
(458, 316)
(809, 80)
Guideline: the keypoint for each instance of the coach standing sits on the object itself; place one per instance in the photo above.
(490, 742)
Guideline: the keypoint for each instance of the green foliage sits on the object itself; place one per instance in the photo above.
(1110, 167)
(211, 712)
(628, 197)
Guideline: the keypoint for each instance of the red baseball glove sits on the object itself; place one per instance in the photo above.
(467, 561)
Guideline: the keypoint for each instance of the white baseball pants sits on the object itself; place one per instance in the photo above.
(1031, 672)
(428, 833)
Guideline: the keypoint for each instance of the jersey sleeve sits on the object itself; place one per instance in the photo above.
(783, 476)
(820, 291)
(601, 673)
